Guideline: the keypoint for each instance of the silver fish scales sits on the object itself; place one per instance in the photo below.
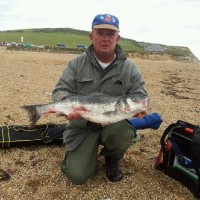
(100, 109)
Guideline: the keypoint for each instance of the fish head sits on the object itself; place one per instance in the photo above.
(130, 104)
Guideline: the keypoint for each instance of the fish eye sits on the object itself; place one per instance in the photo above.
(135, 99)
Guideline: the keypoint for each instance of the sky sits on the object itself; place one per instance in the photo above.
(168, 22)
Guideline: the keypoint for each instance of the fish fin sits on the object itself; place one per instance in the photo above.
(33, 114)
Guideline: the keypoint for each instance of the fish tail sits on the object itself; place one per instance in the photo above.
(33, 114)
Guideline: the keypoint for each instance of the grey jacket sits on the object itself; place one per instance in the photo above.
(83, 75)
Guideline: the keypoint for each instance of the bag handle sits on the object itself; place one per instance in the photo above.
(168, 131)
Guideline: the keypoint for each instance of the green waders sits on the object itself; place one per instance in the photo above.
(80, 164)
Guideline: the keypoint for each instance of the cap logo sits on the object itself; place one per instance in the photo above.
(107, 18)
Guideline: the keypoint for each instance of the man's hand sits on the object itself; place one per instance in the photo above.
(70, 116)
(73, 116)
(140, 115)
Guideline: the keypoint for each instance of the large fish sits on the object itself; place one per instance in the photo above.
(98, 108)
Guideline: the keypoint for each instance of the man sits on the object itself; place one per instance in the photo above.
(102, 68)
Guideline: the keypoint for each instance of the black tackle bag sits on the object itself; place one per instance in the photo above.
(179, 156)
(22, 135)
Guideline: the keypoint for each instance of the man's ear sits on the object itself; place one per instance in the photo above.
(90, 36)
(118, 38)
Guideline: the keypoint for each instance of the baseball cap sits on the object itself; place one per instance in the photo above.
(106, 21)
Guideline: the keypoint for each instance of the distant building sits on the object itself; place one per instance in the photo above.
(154, 48)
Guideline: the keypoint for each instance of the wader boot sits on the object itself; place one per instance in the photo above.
(113, 171)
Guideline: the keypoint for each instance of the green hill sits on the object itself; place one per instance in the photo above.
(72, 37)
(51, 37)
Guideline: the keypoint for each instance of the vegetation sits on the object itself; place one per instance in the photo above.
(178, 51)
(51, 37)
(72, 37)
(41, 37)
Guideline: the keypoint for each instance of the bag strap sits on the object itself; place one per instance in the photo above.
(5, 132)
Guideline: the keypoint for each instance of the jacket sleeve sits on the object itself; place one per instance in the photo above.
(137, 83)
(66, 85)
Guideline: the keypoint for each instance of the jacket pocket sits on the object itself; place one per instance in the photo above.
(115, 87)
(85, 86)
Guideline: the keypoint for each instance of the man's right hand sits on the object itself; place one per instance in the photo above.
(140, 115)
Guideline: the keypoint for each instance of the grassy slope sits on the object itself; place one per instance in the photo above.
(72, 37)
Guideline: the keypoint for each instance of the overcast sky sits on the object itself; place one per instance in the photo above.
(168, 22)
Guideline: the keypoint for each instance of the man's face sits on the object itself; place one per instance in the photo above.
(104, 40)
